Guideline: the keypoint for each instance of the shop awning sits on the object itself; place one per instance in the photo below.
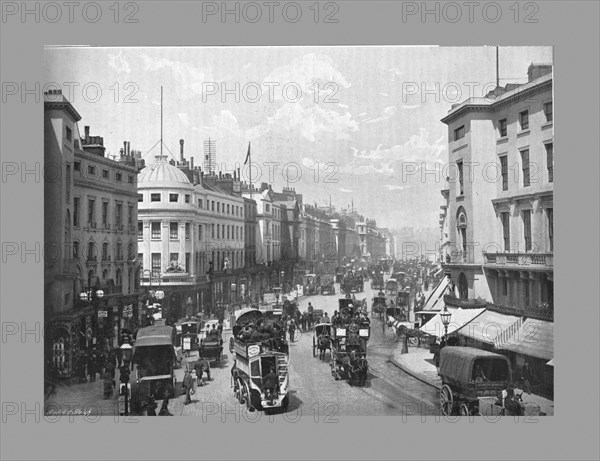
(460, 317)
(490, 326)
(435, 302)
(535, 338)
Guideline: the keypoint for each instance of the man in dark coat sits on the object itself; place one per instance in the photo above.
(270, 384)
(91, 365)
(202, 366)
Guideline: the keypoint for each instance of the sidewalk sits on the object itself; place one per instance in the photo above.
(419, 364)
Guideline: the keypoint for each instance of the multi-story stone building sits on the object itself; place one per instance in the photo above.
(500, 209)
(90, 212)
(191, 236)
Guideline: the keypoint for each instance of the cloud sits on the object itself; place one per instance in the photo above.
(388, 112)
(184, 118)
(189, 79)
(311, 72)
(411, 107)
(384, 94)
(344, 106)
(345, 190)
(118, 63)
(395, 187)
(417, 149)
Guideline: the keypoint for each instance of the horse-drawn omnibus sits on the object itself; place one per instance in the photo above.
(154, 360)
(187, 335)
(255, 362)
(327, 284)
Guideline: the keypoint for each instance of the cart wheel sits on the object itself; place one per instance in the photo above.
(244, 397)
(464, 410)
(446, 400)
(231, 344)
(314, 348)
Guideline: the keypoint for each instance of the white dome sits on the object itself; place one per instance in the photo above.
(162, 173)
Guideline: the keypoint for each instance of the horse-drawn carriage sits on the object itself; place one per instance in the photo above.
(187, 335)
(322, 339)
(352, 283)
(349, 353)
(379, 306)
(211, 346)
(391, 287)
(312, 284)
(327, 285)
(473, 379)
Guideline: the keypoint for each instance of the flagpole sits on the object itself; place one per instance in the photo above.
(250, 168)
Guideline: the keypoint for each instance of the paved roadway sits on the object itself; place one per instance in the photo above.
(314, 392)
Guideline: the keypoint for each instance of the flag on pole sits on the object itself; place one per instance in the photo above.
(247, 155)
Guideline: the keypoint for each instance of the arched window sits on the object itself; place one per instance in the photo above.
(90, 278)
(119, 277)
(131, 251)
(463, 286)
(104, 274)
(105, 251)
(75, 250)
(461, 225)
(130, 280)
(91, 251)
(119, 251)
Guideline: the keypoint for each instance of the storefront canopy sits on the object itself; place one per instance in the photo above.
(490, 326)
(435, 302)
(535, 338)
(460, 318)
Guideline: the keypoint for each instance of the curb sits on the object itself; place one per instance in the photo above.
(414, 375)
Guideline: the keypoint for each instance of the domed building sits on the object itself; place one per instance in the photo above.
(185, 229)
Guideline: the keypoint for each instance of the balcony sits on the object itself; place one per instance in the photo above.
(538, 261)
(170, 279)
(92, 260)
(461, 258)
(539, 311)
(106, 259)
(464, 303)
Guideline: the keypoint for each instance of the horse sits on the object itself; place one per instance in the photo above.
(396, 327)
(323, 343)
(356, 371)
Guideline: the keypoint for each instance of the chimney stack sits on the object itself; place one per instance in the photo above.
(192, 163)
(87, 134)
(181, 149)
(128, 147)
(121, 151)
(125, 147)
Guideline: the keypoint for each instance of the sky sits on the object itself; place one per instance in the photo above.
(348, 124)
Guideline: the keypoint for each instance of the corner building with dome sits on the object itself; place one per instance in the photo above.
(190, 238)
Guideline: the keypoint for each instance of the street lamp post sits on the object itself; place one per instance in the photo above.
(126, 351)
(88, 295)
(445, 316)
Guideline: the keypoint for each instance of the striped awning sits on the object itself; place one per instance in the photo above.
(534, 338)
(491, 327)
(460, 318)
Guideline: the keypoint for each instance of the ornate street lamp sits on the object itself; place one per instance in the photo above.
(445, 316)
(89, 296)
(126, 351)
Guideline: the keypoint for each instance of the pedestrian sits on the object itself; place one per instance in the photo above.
(164, 409)
(151, 406)
(202, 366)
(270, 383)
(91, 366)
(188, 383)
(109, 385)
(292, 329)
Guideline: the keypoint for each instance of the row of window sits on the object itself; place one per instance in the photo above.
(104, 256)
(525, 168)
(92, 170)
(521, 292)
(221, 260)
(223, 231)
(526, 220)
(105, 213)
(219, 207)
(459, 132)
